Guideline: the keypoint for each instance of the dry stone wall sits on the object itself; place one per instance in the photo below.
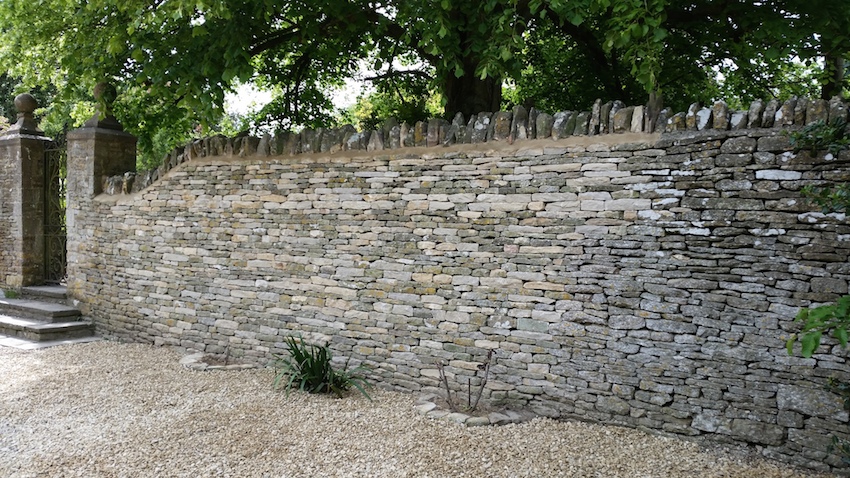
(644, 280)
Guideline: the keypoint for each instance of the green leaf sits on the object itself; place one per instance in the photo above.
(636, 31)
(810, 342)
(841, 335)
(771, 53)
(115, 45)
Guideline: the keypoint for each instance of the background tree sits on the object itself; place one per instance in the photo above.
(174, 61)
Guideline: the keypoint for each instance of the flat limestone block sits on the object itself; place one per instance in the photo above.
(39, 309)
(25, 344)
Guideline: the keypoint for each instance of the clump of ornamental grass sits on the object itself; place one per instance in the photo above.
(308, 368)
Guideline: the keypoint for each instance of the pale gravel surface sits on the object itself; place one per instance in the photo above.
(106, 409)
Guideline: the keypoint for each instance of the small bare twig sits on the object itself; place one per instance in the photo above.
(471, 403)
(486, 367)
(445, 381)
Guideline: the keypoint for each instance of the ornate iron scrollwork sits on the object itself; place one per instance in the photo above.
(55, 231)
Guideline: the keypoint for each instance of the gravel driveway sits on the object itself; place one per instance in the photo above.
(107, 409)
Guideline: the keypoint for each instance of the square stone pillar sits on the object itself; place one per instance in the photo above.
(22, 196)
(22, 210)
(96, 151)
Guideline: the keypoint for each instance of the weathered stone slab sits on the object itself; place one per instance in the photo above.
(595, 118)
(544, 126)
(768, 119)
(622, 121)
(605, 117)
(837, 109)
(376, 141)
(481, 127)
(785, 114)
(519, 123)
(738, 120)
(800, 111)
(420, 133)
(677, 122)
(561, 124)
(703, 119)
(755, 114)
(818, 110)
(637, 122)
(691, 119)
(720, 115)
(502, 125)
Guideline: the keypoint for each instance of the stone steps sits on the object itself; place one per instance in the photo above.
(42, 319)
(44, 331)
(57, 294)
(38, 310)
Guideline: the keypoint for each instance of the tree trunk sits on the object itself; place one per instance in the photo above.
(471, 95)
(835, 67)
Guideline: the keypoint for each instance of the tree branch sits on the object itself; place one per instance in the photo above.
(399, 73)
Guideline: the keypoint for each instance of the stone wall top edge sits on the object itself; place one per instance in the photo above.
(91, 132)
(519, 132)
(18, 136)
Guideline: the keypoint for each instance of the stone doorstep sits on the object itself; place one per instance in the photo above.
(44, 331)
(44, 311)
(48, 292)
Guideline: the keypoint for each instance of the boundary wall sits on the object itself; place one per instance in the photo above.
(635, 279)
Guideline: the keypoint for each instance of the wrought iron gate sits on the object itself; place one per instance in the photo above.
(55, 238)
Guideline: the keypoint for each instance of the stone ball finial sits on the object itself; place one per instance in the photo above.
(105, 93)
(26, 124)
(25, 104)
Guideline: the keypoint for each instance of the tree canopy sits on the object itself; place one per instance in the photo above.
(175, 60)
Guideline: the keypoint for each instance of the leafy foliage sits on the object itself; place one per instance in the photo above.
(174, 61)
(830, 136)
(407, 99)
(830, 319)
(308, 368)
(830, 199)
(838, 444)
(827, 319)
